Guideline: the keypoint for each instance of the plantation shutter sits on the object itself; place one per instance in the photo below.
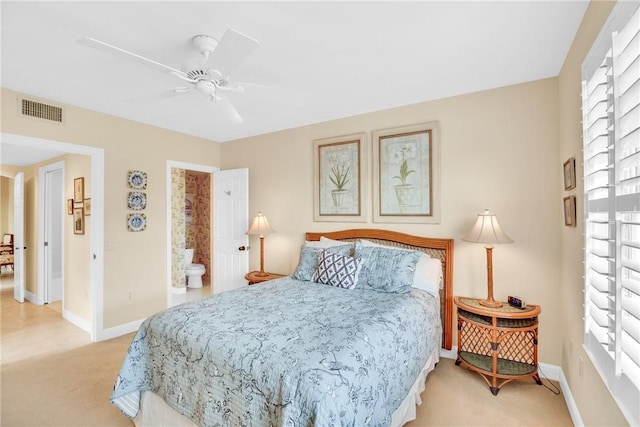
(611, 137)
(626, 90)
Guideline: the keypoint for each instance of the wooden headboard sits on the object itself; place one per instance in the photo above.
(434, 247)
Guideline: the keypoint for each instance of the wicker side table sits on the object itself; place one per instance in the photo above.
(500, 344)
(254, 278)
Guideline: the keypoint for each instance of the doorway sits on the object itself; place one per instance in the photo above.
(37, 145)
(183, 231)
(228, 222)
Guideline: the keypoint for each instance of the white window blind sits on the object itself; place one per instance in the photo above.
(611, 120)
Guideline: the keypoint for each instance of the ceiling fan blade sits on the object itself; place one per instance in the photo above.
(228, 110)
(234, 48)
(106, 47)
(182, 89)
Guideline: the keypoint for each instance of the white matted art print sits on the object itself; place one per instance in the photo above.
(339, 184)
(406, 172)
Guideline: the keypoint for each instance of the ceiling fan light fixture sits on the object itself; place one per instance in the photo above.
(204, 44)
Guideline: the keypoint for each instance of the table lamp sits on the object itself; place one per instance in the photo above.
(487, 230)
(260, 226)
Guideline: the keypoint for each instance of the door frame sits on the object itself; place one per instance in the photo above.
(96, 328)
(42, 186)
(193, 167)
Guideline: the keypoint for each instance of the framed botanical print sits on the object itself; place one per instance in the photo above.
(340, 178)
(406, 173)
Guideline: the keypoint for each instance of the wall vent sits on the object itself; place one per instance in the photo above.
(41, 110)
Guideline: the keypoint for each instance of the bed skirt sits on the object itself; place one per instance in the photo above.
(154, 412)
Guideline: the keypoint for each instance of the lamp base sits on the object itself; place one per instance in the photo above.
(490, 303)
(261, 274)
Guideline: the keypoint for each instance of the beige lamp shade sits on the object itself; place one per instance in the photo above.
(487, 230)
(260, 226)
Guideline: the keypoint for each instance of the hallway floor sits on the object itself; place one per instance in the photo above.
(27, 329)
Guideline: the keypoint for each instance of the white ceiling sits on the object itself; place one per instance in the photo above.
(328, 59)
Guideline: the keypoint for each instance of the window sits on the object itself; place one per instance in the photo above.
(611, 137)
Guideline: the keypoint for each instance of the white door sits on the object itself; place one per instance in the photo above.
(231, 222)
(52, 229)
(18, 237)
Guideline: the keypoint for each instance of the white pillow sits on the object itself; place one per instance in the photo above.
(428, 274)
(325, 243)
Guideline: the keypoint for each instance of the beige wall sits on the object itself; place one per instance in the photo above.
(135, 283)
(77, 247)
(499, 151)
(594, 401)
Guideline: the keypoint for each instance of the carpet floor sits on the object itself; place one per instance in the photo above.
(52, 375)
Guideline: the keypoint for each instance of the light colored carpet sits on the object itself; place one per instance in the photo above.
(52, 375)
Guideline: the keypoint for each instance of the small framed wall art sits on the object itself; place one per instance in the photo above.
(78, 190)
(78, 220)
(570, 174)
(570, 211)
(87, 207)
(69, 206)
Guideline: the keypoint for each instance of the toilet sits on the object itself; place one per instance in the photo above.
(193, 272)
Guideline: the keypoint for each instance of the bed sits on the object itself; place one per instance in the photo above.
(301, 350)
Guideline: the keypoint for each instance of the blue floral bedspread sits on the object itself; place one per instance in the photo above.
(283, 353)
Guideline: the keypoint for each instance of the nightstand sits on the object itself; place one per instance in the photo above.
(252, 277)
(500, 344)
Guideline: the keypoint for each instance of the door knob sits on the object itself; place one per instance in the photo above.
(243, 248)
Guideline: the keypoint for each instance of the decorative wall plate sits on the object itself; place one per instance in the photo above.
(137, 180)
(136, 222)
(137, 200)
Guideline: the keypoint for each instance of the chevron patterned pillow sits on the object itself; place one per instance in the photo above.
(337, 270)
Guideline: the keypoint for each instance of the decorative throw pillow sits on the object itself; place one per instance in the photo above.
(428, 275)
(309, 259)
(386, 270)
(337, 270)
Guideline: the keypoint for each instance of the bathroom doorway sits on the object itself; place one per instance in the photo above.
(191, 232)
(228, 217)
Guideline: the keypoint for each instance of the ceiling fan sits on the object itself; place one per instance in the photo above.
(207, 72)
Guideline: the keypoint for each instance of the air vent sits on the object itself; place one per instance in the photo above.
(40, 110)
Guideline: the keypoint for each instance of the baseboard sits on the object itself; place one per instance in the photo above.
(76, 320)
(570, 401)
(31, 297)
(117, 331)
(551, 372)
(449, 354)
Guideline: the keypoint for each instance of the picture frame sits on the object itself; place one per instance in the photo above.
(78, 220)
(570, 211)
(340, 178)
(69, 206)
(78, 190)
(406, 174)
(87, 207)
(569, 169)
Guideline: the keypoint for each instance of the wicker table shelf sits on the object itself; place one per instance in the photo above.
(500, 344)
